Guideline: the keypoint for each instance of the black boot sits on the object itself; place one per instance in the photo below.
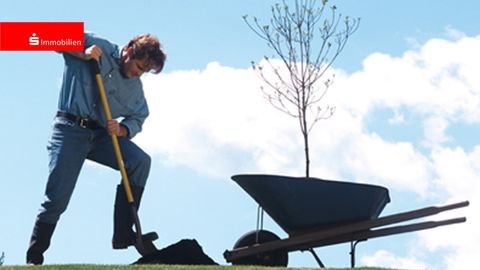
(39, 242)
(123, 234)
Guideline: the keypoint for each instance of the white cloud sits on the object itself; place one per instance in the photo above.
(397, 119)
(434, 131)
(458, 174)
(389, 260)
(216, 121)
(453, 33)
(396, 165)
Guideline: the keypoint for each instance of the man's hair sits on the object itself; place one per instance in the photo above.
(148, 47)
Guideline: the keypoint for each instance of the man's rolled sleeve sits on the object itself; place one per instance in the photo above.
(135, 122)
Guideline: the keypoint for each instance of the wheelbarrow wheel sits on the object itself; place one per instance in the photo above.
(273, 258)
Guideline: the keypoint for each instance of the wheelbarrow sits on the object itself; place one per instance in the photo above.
(315, 213)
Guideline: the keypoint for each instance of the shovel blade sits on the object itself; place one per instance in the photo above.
(145, 247)
(144, 242)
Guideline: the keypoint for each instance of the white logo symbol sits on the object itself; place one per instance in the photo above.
(34, 40)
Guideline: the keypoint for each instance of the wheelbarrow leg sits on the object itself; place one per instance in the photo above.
(353, 246)
(260, 213)
(320, 263)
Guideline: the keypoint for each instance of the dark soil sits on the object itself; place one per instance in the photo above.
(186, 252)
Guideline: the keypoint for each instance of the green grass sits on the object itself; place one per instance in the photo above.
(159, 267)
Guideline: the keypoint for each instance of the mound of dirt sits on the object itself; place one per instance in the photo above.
(186, 251)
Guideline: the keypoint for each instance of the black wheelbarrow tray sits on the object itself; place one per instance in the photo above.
(316, 213)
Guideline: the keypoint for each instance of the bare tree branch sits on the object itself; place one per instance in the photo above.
(307, 41)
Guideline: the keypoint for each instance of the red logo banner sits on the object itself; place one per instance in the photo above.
(41, 36)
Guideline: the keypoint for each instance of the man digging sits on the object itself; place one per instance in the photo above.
(81, 131)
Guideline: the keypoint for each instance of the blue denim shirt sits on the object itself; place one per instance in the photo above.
(79, 93)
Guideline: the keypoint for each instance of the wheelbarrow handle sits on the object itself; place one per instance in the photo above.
(108, 115)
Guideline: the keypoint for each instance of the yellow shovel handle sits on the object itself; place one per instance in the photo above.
(116, 146)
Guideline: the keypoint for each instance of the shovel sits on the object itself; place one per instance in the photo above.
(144, 247)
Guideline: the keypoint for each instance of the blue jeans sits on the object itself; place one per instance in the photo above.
(68, 148)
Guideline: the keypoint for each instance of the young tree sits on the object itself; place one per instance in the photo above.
(306, 44)
(2, 257)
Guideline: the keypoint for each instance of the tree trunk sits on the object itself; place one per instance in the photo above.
(307, 156)
(305, 140)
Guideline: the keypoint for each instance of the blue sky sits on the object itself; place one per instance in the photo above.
(407, 98)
